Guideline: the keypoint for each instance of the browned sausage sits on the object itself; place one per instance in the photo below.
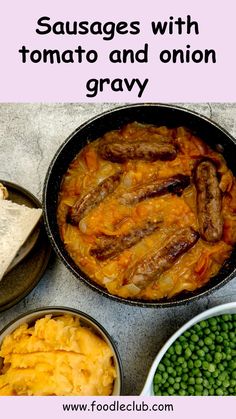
(83, 205)
(111, 246)
(175, 185)
(208, 201)
(151, 267)
(120, 152)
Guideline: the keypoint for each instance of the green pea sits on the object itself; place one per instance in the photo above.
(166, 362)
(208, 358)
(219, 392)
(208, 341)
(205, 365)
(191, 380)
(182, 392)
(199, 380)
(190, 364)
(194, 338)
(188, 352)
(206, 383)
(179, 370)
(198, 387)
(165, 375)
(201, 353)
(191, 390)
(201, 343)
(171, 391)
(212, 321)
(203, 324)
(157, 379)
(178, 349)
(216, 373)
(191, 346)
(171, 350)
(226, 383)
(211, 368)
(198, 363)
(171, 380)
(218, 357)
(234, 374)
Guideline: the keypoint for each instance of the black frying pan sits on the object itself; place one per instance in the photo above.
(157, 114)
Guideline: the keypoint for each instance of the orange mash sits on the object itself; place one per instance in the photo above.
(56, 357)
(111, 217)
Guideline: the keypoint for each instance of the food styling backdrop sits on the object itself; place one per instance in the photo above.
(30, 134)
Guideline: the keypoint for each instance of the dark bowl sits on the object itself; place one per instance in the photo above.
(158, 114)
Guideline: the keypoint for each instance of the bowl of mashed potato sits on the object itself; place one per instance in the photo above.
(58, 352)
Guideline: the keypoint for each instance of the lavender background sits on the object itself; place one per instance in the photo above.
(191, 82)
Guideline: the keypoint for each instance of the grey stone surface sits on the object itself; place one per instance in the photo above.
(30, 134)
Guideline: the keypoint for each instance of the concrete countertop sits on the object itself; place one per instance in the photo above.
(30, 134)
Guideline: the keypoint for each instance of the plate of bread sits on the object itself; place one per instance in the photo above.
(24, 248)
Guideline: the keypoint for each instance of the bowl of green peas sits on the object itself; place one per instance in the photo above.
(199, 359)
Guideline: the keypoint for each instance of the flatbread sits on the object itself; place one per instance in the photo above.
(16, 224)
(3, 192)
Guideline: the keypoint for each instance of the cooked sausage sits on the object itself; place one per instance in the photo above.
(83, 205)
(175, 185)
(111, 246)
(151, 267)
(208, 201)
(120, 152)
